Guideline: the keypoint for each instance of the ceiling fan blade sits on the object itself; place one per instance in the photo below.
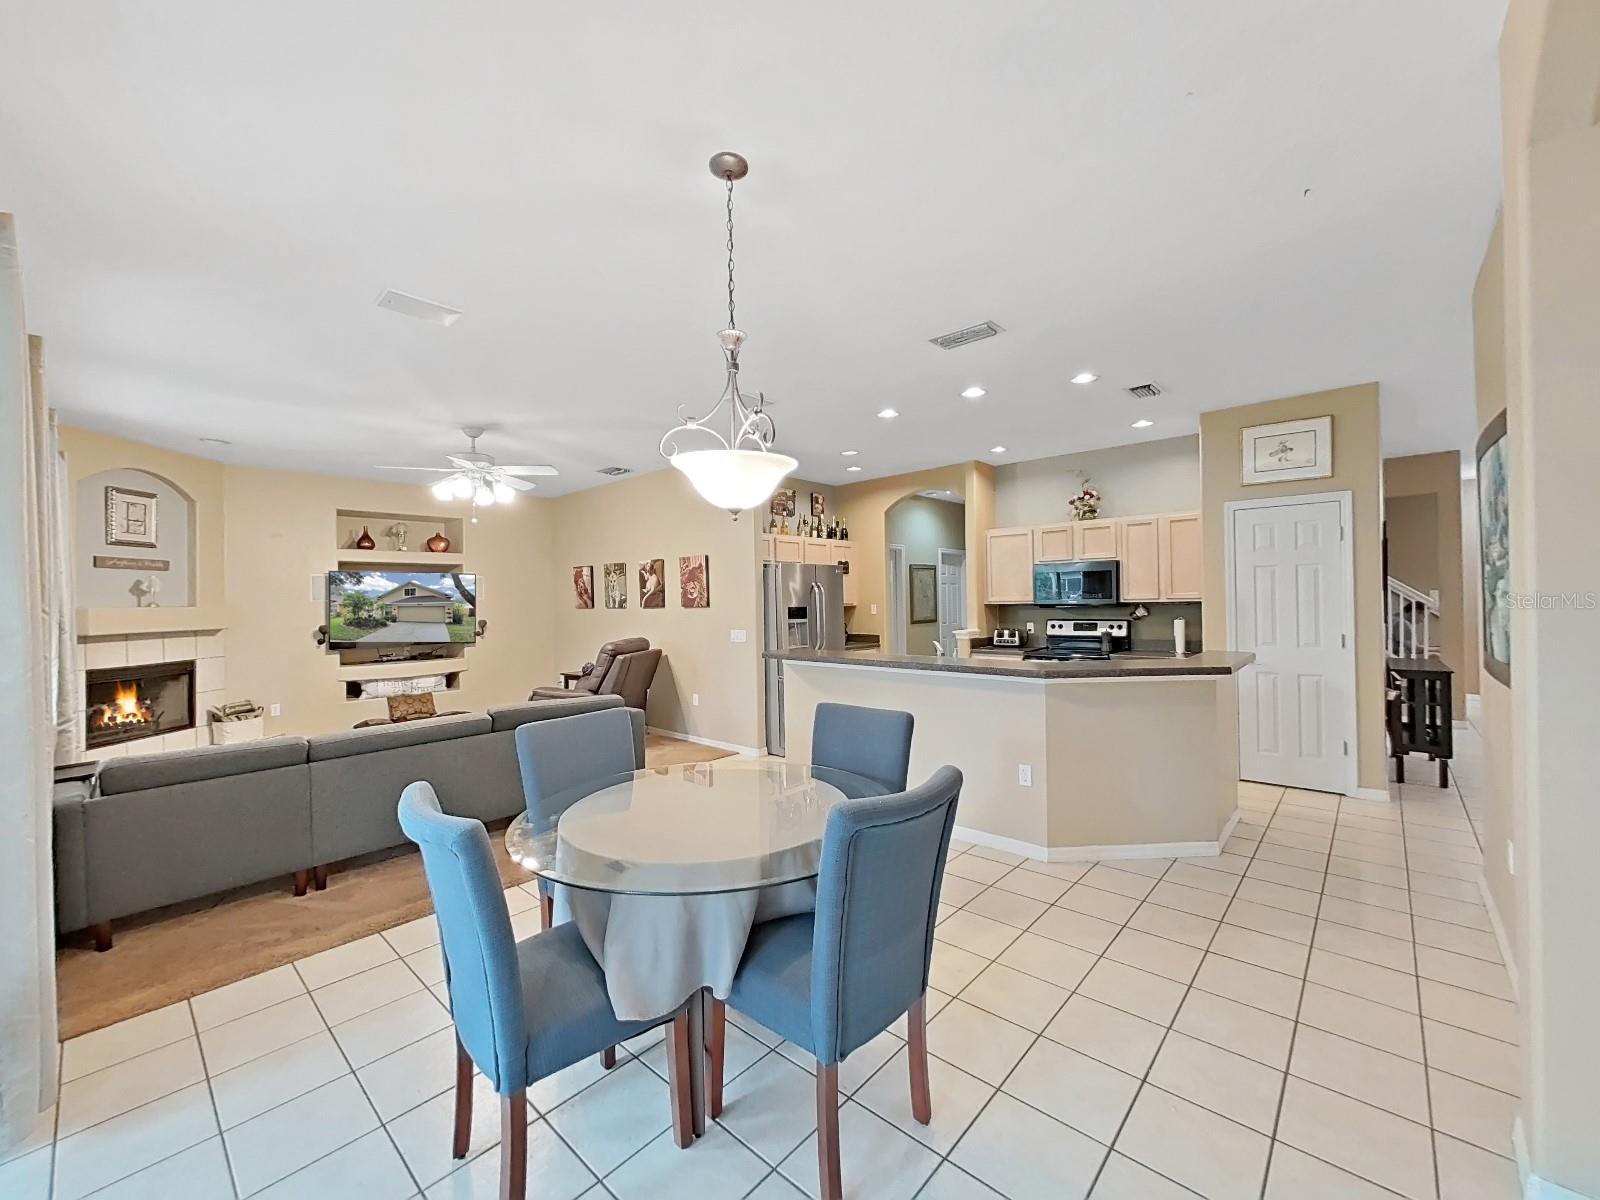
(464, 463)
(526, 469)
(520, 485)
(388, 467)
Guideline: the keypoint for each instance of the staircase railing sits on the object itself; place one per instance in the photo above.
(1410, 612)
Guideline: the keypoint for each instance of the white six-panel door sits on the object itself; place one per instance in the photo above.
(1289, 604)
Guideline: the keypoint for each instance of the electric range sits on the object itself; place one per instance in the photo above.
(1073, 640)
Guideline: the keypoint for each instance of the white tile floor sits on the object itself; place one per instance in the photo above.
(1318, 1013)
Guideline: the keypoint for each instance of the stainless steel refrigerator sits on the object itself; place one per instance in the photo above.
(804, 610)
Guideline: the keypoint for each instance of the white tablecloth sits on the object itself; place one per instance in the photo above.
(657, 950)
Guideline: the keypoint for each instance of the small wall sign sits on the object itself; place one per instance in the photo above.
(113, 562)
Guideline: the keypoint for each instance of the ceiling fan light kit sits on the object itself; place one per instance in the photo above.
(741, 470)
(476, 476)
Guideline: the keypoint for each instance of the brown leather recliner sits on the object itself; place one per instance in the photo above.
(623, 668)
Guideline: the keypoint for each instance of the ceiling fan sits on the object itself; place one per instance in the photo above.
(476, 476)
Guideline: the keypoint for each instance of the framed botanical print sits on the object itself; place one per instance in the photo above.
(1494, 540)
(1288, 450)
(130, 517)
(924, 606)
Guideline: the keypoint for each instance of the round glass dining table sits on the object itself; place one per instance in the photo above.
(736, 825)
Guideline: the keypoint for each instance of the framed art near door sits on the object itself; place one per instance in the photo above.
(1494, 533)
(924, 606)
(1288, 450)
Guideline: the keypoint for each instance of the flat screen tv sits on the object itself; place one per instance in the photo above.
(401, 608)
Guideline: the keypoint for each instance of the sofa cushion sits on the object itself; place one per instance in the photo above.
(559, 704)
(390, 737)
(141, 772)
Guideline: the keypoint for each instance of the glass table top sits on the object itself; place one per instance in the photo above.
(694, 829)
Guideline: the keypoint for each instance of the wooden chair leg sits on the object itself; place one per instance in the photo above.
(547, 911)
(463, 1135)
(678, 1078)
(302, 881)
(608, 1057)
(716, 1045)
(514, 1146)
(319, 877)
(828, 1173)
(101, 932)
(917, 1053)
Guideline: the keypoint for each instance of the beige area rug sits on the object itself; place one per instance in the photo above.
(175, 953)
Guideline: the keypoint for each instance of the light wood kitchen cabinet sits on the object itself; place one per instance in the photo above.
(1182, 557)
(1008, 575)
(1053, 543)
(816, 553)
(844, 555)
(786, 548)
(1142, 542)
(1097, 539)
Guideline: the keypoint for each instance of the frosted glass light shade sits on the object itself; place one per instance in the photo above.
(443, 491)
(483, 497)
(504, 493)
(734, 479)
(461, 487)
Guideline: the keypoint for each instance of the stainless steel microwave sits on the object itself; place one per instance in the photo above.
(1080, 582)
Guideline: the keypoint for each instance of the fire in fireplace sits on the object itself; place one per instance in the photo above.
(124, 704)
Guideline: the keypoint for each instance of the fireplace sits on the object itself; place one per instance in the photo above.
(126, 704)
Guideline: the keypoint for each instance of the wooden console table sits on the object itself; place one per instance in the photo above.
(1420, 716)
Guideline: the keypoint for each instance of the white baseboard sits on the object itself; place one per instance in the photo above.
(1534, 1188)
(1502, 939)
(743, 751)
(1095, 853)
(1378, 795)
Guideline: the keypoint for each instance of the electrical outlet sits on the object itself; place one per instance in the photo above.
(696, 699)
(1030, 628)
(736, 635)
(1024, 774)
(275, 711)
(1511, 857)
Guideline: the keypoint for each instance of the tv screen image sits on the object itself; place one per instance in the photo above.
(409, 608)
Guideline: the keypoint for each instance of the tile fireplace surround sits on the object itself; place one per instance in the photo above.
(205, 647)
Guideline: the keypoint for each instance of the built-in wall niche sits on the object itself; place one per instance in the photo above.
(134, 543)
(395, 534)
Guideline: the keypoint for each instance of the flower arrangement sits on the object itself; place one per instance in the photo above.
(1086, 504)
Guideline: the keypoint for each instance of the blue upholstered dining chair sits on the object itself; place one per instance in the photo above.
(522, 1010)
(557, 755)
(872, 742)
(832, 981)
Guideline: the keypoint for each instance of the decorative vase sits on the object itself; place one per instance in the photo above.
(365, 542)
(438, 544)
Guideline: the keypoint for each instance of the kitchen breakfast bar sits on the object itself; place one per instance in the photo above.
(1133, 756)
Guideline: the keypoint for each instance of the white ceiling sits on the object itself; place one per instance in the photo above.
(1238, 200)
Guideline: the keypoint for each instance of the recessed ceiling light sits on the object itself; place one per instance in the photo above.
(1143, 423)
(1085, 377)
(997, 449)
(849, 453)
(974, 393)
(852, 468)
(888, 414)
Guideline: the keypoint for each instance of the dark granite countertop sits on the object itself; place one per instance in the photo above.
(1121, 666)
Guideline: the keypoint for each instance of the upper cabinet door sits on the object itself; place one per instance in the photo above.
(842, 553)
(1141, 558)
(786, 548)
(1182, 557)
(816, 553)
(1053, 543)
(1009, 572)
(1097, 539)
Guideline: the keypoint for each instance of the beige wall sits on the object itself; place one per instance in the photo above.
(1471, 586)
(660, 516)
(1133, 481)
(1550, 95)
(1422, 494)
(1356, 463)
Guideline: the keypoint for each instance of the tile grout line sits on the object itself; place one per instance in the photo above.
(211, 1095)
(1422, 1028)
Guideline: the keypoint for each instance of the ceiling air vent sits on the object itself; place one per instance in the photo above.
(415, 306)
(616, 471)
(1144, 391)
(962, 337)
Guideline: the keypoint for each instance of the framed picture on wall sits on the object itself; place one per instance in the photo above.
(616, 584)
(653, 583)
(1494, 540)
(924, 587)
(694, 581)
(1288, 450)
(130, 517)
(583, 587)
(783, 502)
(819, 504)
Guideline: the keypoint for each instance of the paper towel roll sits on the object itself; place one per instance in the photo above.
(1179, 641)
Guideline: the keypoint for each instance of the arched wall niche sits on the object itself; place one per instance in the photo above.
(119, 574)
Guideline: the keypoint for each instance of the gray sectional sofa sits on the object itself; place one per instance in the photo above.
(159, 829)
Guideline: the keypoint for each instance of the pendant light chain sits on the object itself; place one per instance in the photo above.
(731, 325)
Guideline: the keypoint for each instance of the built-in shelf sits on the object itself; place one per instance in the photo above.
(352, 687)
(121, 622)
(349, 522)
(421, 559)
(359, 672)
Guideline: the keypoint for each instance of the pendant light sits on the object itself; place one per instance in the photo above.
(741, 470)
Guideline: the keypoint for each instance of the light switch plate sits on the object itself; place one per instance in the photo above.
(696, 699)
(736, 635)
(275, 711)
(1025, 774)
(874, 610)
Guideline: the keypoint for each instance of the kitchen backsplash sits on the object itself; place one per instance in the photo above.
(1147, 633)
